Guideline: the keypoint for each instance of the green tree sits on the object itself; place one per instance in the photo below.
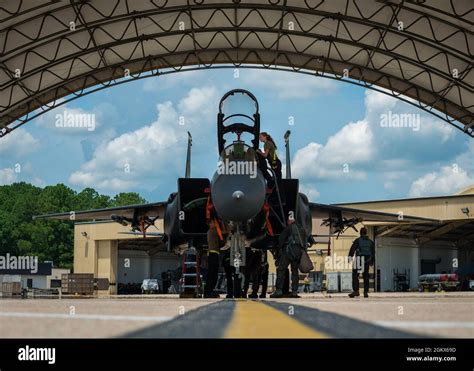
(89, 198)
(130, 198)
(48, 239)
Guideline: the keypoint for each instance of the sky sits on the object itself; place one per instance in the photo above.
(346, 143)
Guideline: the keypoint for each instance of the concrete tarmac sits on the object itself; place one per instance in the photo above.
(382, 315)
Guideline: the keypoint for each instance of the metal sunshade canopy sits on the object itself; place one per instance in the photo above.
(54, 51)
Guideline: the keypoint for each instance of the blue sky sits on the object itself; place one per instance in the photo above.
(340, 149)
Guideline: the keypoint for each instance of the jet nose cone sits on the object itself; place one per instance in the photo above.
(237, 195)
(237, 198)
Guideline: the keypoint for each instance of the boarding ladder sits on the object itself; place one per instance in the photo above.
(191, 281)
(283, 219)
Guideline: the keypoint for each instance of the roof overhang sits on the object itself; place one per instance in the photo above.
(458, 232)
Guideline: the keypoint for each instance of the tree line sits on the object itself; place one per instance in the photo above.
(50, 240)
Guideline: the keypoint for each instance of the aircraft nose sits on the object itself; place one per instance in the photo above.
(237, 195)
(237, 198)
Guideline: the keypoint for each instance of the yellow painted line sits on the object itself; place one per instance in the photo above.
(252, 319)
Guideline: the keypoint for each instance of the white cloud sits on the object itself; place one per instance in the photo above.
(339, 157)
(288, 85)
(197, 102)
(436, 127)
(7, 176)
(18, 143)
(446, 181)
(378, 105)
(367, 146)
(352, 144)
(465, 159)
(18, 173)
(310, 191)
(155, 151)
(376, 102)
(76, 121)
(119, 163)
(393, 179)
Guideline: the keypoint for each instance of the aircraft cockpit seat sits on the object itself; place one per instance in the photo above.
(239, 152)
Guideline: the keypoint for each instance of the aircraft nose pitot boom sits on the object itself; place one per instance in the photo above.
(238, 197)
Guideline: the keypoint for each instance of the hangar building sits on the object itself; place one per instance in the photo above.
(402, 250)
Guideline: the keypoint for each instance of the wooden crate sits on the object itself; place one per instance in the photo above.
(11, 288)
(77, 283)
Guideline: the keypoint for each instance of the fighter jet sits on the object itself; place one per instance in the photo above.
(238, 195)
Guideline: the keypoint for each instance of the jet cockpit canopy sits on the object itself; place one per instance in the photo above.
(238, 114)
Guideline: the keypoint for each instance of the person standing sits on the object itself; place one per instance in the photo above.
(258, 275)
(269, 153)
(234, 281)
(166, 280)
(253, 258)
(363, 250)
(263, 275)
(292, 241)
(306, 284)
(213, 251)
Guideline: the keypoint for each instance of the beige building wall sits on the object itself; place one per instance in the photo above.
(96, 249)
(107, 262)
(443, 208)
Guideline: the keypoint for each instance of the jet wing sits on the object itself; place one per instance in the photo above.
(323, 211)
(130, 212)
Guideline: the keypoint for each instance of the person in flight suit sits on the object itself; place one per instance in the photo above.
(269, 154)
(292, 241)
(234, 282)
(363, 248)
(213, 250)
(261, 277)
(257, 274)
(253, 257)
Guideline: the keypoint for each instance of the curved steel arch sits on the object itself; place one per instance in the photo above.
(409, 49)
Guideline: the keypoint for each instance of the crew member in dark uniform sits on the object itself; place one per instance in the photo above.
(261, 277)
(234, 283)
(292, 241)
(166, 279)
(253, 257)
(364, 248)
(264, 277)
